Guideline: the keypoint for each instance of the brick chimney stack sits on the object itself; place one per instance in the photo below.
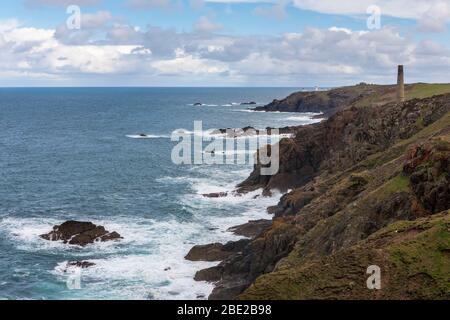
(400, 85)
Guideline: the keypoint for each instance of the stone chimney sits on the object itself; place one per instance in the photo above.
(400, 85)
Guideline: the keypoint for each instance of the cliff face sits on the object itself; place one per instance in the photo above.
(369, 186)
(413, 257)
(332, 101)
(328, 102)
(346, 139)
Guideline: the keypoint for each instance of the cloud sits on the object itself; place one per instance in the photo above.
(96, 20)
(155, 4)
(196, 4)
(431, 15)
(61, 3)
(204, 24)
(107, 46)
(435, 18)
(275, 11)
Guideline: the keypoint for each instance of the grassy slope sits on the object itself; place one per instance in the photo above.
(414, 257)
(386, 94)
(424, 90)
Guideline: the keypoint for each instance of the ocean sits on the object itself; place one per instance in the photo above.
(76, 154)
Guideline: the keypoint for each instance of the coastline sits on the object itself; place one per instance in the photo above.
(325, 169)
(224, 254)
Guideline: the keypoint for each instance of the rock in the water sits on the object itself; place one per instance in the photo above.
(80, 233)
(248, 103)
(212, 274)
(216, 195)
(80, 264)
(197, 104)
(251, 229)
(215, 251)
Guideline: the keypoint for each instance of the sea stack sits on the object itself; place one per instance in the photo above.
(400, 85)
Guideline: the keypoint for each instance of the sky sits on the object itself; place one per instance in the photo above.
(290, 43)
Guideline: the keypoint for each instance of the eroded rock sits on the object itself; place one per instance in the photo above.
(251, 229)
(80, 233)
(215, 251)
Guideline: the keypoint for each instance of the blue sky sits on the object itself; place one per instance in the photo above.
(222, 42)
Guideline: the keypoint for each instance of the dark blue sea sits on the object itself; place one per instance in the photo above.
(75, 154)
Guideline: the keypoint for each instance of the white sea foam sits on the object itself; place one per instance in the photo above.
(304, 119)
(213, 133)
(204, 105)
(149, 262)
(157, 270)
(250, 110)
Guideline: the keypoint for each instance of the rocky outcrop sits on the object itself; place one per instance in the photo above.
(80, 233)
(347, 138)
(429, 168)
(80, 264)
(338, 210)
(215, 251)
(251, 229)
(412, 256)
(362, 95)
(251, 131)
(215, 195)
(237, 271)
(331, 101)
(352, 177)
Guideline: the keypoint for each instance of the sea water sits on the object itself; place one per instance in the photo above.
(78, 154)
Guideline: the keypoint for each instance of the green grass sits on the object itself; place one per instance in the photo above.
(425, 90)
(398, 184)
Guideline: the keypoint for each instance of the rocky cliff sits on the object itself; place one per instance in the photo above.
(368, 186)
(331, 101)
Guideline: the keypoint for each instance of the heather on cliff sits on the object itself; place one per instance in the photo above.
(368, 186)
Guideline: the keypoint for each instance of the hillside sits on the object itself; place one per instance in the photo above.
(330, 102)
(370, 185)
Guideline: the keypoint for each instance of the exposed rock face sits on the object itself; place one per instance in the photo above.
(243, 260)
(413, 257)
(337, 210)
(353, 177)
(215, 195)
(330, 102)
(252, 228)
(80, 233)
(80, 264)
(258, 257)
(345, 139)
(251, 131)
(429, 167)
(215, 251)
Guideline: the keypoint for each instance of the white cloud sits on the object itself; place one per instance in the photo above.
(275, 11)
(184, 64)
(332, 56)
(63, 3)
(204, 24)
(431, 15)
